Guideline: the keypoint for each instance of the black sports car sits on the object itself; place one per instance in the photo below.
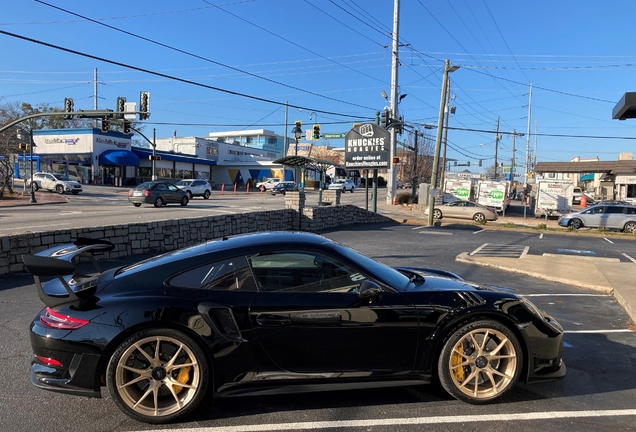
(274, 312)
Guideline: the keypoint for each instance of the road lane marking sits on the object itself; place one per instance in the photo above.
(541, 236)
(608, 240)
(436, 232)
(432, 420)
(581, 257)
(477, 232)
(525, 251)
(420, 227)
(478, 249)
(629, 258)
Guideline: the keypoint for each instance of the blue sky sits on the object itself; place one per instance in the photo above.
(332, 57)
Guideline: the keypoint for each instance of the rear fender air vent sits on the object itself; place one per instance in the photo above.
(221, 319)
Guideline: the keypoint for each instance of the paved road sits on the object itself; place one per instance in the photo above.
(597, 394)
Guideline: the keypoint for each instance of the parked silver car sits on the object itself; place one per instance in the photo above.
(195, 187)
(613, 216)
(464, 210)
(54, 182)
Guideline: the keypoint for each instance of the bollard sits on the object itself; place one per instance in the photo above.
(235, 188)
(222, 188)
(583, 202)
(247, 189)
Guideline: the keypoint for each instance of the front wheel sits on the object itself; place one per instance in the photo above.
(575, 223)
(158, 375)
(437, 214)
(35, 186)
(479, 217)
(189, 194)
(59, 189)
(480, 361)
(184, 201)
(630, 227)
(137, 204)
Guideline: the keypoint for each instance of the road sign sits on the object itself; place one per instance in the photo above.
(334, 135)
(508, 169)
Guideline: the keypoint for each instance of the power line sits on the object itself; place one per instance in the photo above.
(148, 71)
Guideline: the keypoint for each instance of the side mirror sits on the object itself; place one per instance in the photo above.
(369, 290)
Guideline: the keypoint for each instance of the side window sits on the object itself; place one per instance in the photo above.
(615, 209)
(228, 274)
(172, 188)
(161, 187)
(631, 210)
(296, 271)
(453, 204)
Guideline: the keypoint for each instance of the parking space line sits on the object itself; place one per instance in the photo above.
(629, 258)
(541, 236)
(394, 421)
(436, 232)
(608, 240)
(477, 232)
(478, 249)
(420, 227)
(599, 331)
(525, 251)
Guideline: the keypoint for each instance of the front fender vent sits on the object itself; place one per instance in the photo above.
(470, 299)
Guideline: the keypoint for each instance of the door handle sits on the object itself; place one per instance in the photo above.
(272, 321)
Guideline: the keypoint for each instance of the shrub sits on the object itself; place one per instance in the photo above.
(542, 226)
(403, 198)
(481, 222)
(509, 225)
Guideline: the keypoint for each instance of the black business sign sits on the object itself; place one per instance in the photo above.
(367, 147)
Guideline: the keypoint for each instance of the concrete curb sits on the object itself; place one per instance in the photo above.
(464, 257)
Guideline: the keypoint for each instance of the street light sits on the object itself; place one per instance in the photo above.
(438, 139)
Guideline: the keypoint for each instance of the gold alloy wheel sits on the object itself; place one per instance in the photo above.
(483, 363)
(157, 376)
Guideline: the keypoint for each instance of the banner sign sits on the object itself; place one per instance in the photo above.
(367, 146)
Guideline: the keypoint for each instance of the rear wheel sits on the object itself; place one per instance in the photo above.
(437, 214)
(630, 227)
(59, 189)
(35, 186)
(575, 223)
(480, 362)
(184, 201)
(137, 204)
(158, 202)
(206, 194)
(479, 217)
(158, 375)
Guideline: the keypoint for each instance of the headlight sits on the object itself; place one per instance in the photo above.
(532, 307)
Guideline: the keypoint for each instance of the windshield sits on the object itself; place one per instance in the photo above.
(390, 276)
(61, 177)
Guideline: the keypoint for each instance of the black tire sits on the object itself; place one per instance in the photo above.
(630, 227)
(480, 362)
(184, 201)
(189, 194)
(262, 188)
(59, 189)
(137, 204)
(575, 223)
(352, 188)
(137, 372)
(158, 202)
(437, 214)
(206, 194)
(479, 217)
(35, 186)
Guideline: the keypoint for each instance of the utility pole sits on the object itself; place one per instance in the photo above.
(394, 101)
(528, 136)
(95, 97)
(512, 169)
(497, 137)
(414, 176)
(441, 178)
(285, 138)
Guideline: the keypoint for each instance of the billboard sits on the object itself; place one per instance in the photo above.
(367, 147)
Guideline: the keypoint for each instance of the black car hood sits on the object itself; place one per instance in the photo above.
(435, 279)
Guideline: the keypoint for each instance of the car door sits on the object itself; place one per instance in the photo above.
(613, 217)
(198, 187)
(48, 181)
(309, 317)
(173, 193)
(454, 209)
(592, 217)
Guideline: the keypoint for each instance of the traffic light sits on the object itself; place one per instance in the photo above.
(23, 146)
(155, 157)
(144, 105)
(396, 160)
(479, 162)
(68, 108)
(125, 128)
(468, 163)
(386, 119)
(121, 107)
(399, 127)
(455, 163)
(105, 124)
(316, 134)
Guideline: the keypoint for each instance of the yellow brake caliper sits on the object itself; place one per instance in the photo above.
(458, 359)
(183, 377)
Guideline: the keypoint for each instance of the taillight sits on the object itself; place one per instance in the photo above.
(147, 193)
(48, 361)
(63, 322)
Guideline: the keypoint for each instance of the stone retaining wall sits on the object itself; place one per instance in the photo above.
(161, 236)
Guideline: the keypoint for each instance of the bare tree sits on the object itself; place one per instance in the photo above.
(326, 153)
(417, 161)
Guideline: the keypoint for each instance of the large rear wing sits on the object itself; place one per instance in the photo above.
(64, 260)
